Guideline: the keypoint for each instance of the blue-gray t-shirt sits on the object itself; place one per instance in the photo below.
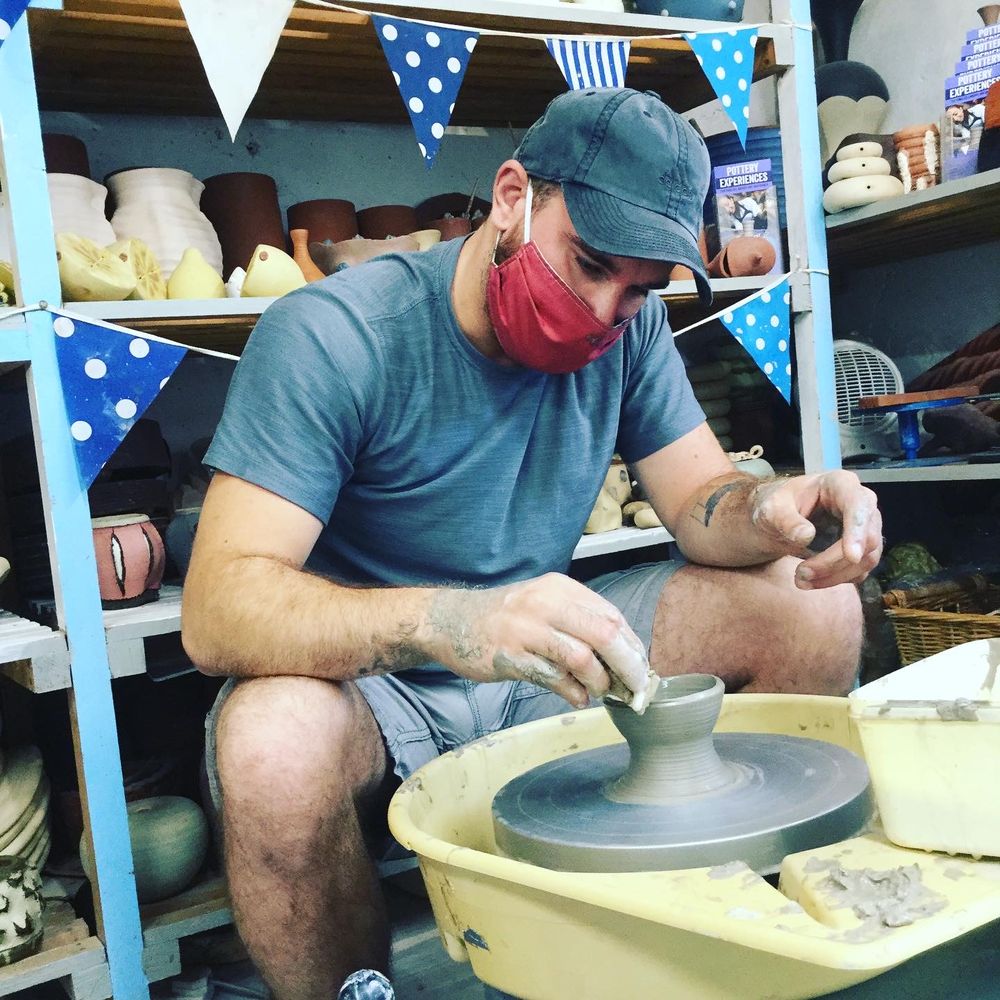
(359, 399)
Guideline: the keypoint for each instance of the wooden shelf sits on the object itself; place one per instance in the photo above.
(68, 955)
(620, 540)
(953, 472)
(33, 655)
(957, 214)
(137, 57)
(225, 324)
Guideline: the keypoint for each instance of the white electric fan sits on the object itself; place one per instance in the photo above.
(861, 370)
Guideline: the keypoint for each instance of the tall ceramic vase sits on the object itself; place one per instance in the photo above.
(834, 20)
(159, 205)
(78, 207)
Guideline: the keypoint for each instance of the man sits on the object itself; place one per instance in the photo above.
(409, 452)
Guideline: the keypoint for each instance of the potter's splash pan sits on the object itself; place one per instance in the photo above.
(843, 913)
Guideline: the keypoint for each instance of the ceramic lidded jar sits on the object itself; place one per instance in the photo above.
(130, 560)
(381, 222)
(326, 219)
(159, 205)
(77, 205)
(243, 208)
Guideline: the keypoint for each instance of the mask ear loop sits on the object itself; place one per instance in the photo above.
(527, 222)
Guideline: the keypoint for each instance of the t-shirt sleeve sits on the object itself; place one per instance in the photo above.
(293, 420)
(658, 403)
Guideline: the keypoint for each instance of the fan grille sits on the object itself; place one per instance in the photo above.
(862, 371)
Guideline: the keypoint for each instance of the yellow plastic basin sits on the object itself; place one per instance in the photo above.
(701, 933)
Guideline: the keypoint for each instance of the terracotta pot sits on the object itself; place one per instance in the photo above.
(453, 204)
(382, 221)
(327, 219)
(990, 14)
(243, 208)
(452, 228)
(130, 559)
(300, 254)
(65, 154)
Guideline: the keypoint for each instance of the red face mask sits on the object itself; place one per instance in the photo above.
(540, 321)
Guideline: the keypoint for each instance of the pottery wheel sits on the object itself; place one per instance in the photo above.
(675, 796)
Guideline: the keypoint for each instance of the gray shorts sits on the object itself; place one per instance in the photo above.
(423, 714)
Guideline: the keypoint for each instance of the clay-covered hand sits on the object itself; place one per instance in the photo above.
(791, 510)
(551, 631)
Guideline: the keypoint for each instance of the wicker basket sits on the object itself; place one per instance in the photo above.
(930, 619)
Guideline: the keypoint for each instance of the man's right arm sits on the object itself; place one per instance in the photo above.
(251, 610)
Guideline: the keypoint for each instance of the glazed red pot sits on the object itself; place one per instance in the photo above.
(243, 208)
(130, 560)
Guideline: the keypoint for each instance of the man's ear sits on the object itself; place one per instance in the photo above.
(509, 191)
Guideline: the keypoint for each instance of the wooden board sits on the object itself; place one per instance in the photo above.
(137, 57)
(902, 398)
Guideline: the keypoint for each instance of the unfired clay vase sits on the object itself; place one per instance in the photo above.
(327, 219)
(78, 207)
(300, 254)
(65, 154)
(990, 14)
(384, 221)
(130, 560)
(159, 205)
(243, 208)
(169, 837)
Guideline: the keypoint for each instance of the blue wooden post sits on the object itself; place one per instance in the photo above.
(807, 243)
(68, 524)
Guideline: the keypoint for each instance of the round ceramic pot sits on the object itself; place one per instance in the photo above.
(169, 836)
(21, 919)
(159, 205)
(243, 208)
(326, 219)
(130, 559)
(452, 228)
(453, 204)
(381, 222)
(65, 154)
(78, 207)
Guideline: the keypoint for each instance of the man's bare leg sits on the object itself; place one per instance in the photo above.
(757, 631)
(295, 756)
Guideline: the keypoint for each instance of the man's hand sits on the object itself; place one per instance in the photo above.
(551, 631)
(788, 510)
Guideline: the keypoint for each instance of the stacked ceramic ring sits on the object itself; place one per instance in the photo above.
(24, 807)
(860, 175)
(918, 155)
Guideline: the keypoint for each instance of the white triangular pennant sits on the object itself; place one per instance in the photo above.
(590, 64)
(236, 41)
(726, 57)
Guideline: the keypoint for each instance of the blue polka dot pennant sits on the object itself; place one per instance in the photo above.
(109, 377)
(762, 325)
(590, 64)
(726, 57)
(428, 63)
(10, 11)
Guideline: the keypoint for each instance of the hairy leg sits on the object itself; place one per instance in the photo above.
(758, 632)
(298, 760)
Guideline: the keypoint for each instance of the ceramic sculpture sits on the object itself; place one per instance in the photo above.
(20, 910)
(243, 208)
(195, 278)
(851, 96)
(159, 205)
(149, 283)
(861, 176)
(91, 273)
(130, 560)
(78, 207)
(743, 256)
(990, 14)
(271, 272)
(300, 254)
(384, 221)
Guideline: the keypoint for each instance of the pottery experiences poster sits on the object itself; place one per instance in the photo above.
(965, 102)
(746, 204)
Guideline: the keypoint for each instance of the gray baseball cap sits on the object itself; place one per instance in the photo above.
(634, 174)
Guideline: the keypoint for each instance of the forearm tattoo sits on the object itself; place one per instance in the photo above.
(705, 509)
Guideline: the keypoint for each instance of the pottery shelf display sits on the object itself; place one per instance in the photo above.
(860, 176)
(78, 207)
(25, 827)
(327, 220)
(160, 206)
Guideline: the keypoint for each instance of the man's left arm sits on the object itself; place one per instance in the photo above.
(722, 517)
